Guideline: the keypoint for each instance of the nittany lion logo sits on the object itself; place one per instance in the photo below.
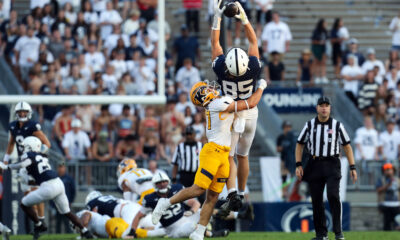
(291, 220)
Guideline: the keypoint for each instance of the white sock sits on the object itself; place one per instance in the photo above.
(231, 190)
(235, 215)
(241, 192)
(200, 229)
(84, 229)
(1, 227)
(41, 218)
(38, 224)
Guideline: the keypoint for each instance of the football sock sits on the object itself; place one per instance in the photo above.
(231, 190)
(200, 229)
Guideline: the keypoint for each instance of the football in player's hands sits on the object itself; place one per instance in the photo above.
(231, 9)
(3, 166)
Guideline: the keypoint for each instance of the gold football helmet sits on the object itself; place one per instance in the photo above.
(202, 93)
(125, 165)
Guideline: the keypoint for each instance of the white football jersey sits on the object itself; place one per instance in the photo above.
(219, 123)
(368, 140)
(97, 223)
(137, 179)
(390, 144)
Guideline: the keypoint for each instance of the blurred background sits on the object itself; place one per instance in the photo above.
(344, 49)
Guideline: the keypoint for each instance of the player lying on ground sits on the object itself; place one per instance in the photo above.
(134, 181)
(213, 170)
(50, 186)
(104, 226)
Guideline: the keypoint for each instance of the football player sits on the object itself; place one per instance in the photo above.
(21, 128)
(5, 231)
(104, 227)
(177, 222)
(237, 73)
(112, 206)
(50, 186)
(134, 181)
(213, 171)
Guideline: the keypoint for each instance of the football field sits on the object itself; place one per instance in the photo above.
(256, 236)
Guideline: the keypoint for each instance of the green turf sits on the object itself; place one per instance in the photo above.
(256, 236)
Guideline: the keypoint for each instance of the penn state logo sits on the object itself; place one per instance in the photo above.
(293, 217)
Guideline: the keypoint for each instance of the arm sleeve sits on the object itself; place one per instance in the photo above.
(304, 134)
(22, 164)
(255, 66)
(220, 104)
(218, 65)
(344, 137)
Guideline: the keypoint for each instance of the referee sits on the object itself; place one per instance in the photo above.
(186, 158)
(323, 135)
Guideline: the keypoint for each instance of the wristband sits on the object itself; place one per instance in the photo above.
(299, 164)
(352, 167)
(132, 232)
(247, 105)
(6, 158)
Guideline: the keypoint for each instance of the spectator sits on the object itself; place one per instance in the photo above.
(276, 36)
(184, 103)
(318, 48)
(149, 145)
(154, 168)
(130, 86)
(380, 116)
(275, 70)
(70, 15)
(372, 62)
(199, 126)
(89, 15)
(149, 122)
(395, 28)
(129, 4)
(86, 113)
(126, 123)
(38, 3)
(339, 35)
(147, 9)
(351, 74)
(192, 14)
(366, 141)
(264, 8)
(367, 93)
(76, 143)
(111, 41)
(104, 122)
(188, 116)
(119, 64)
(108, 18)
(60, 23)
(390, 63)
(133, 47)
(131, 25)
(62, 123)
(185, 46)
(237, 25)
(127, 147)
(110, 80)
(146, 78)
(144, 30)
(99, 6)
(153, 25)
(26, 54)
(286, 146)
(102, 147)
(35, 82)
(353, 49)
(392, 77)
(387, 188)
(74, 78)
(304, 68)
(147, 46)
(70, 191)
(187, 76)
(94, 58)
(172, 123)
(389, 142)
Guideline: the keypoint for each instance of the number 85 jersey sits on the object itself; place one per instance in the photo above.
(241, 87)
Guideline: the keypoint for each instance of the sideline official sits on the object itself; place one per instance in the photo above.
(323, 135)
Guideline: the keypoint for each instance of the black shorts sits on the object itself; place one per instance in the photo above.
(267, 16)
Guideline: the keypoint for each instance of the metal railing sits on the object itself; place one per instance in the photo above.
(368, 174)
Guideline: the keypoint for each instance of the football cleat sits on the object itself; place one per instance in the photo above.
(234, 202)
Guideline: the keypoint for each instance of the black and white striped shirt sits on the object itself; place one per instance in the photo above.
(323, 138)
(186, 156)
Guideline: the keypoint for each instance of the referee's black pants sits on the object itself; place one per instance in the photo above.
(318, 173)
(186, 178)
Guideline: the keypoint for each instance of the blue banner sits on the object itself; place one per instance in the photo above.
(289, 217)
(286, 100)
